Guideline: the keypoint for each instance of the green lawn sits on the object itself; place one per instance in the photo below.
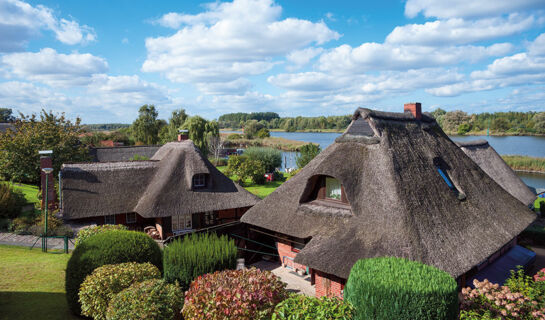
(29, 191)
(259, 190)
(32, 284)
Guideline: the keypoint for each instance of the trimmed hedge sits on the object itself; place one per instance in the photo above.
(107, 248)
(85, 233)
(396, 288)
(150, 299)
(196, 255)
(298, 307)
(105, 282)
(248, 294)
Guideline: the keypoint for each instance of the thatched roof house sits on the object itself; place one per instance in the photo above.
(178, 189)
(491, 162)
(393, 184)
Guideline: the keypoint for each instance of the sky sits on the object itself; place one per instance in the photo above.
(101, 60)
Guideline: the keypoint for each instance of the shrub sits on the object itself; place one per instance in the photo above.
(107, 248)
(492, 301)
(271, 158)
(105, 282)
(150, 299)
(234, 136)
(84, 234)
(306, 154)
(234, 294)
(198, 254)
(298, 307)
(396, 288)
(245, 168)
(263, 133)
(21, 225)
(11, 202)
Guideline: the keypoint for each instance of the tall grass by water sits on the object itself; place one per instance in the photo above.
(525, 163)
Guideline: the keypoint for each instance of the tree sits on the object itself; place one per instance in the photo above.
(215, 145)
(6, 115)
(451, 120)
(251, 127)
(500, 124)
(176, 121)
(200, 131)
(146, 127)
(539, 122)
(464, 128)
(245, 168)
(306, 154)
(20, 161)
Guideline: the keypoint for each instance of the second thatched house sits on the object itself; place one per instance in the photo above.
(393, 184)
(177, 191)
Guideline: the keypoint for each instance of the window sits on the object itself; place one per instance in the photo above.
(109, 219)
(210, 218)
(297, 247)
(131, 217)
(332, 189)
(181, 222)
(199, 181)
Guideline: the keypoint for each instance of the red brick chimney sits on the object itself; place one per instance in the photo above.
(46, 162)
(415, 108)
(183, 135)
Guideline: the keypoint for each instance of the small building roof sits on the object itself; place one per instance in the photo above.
(399, 204)
(492, 163)
(158, 187)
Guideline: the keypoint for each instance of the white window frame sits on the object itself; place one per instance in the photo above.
(184, 220)
(210, 218)
(199, 180)
(109, 216)
(133, 217)
(340, 189)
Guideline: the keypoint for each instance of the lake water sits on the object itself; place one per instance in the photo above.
(520, 145)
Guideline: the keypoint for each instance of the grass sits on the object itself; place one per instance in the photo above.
(525, 163)
(29, 191)
(271, 142)
(259, 190)
(32, 284)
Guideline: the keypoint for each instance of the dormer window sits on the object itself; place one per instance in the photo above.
(199, 181)
(326, 189)
(441, 168)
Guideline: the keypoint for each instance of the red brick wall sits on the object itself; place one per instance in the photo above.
(286, 251)
(328, 285)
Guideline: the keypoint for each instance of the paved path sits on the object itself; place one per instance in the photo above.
(28, 241)
(296, 283)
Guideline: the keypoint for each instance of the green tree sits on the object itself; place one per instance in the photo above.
(500, 124)
(146, 127)
(20, 160)
(464, 128)
(251, 128)
(176, 121)
(539, 122)
(200, 131)
(246, 169)
(451, 120)
(306, 154)
(6, 115)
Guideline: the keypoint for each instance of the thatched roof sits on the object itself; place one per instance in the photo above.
(109, 154)
(492, 163)
(399, 203)
(158, 187)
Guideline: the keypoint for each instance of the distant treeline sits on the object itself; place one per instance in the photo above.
(271, 120)
(105, 126)
(452, 122)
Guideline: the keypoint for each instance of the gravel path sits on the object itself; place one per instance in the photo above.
(28, 240)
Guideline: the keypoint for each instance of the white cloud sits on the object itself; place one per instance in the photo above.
(459, 31)
(19, 22)
(308, 81)
(300, 58)
(229, 41)
(376, 56)
(56, 69)
(464, 8)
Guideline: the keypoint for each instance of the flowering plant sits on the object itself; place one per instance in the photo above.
(540, 275)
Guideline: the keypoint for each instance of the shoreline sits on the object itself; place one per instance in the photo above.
(528, 171)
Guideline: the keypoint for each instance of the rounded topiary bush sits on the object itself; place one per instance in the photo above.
(150, 299)
(86, 233)
(396, 288)
(198, 254)
(298, 307)
(105, 282)
(107, 248)
(234, 294)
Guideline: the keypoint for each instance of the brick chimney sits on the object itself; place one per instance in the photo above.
(415, 108)
(183, 135)
(46, 162)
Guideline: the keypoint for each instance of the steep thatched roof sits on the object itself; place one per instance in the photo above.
(158, 187)
(109, 154)
(399, 203)
(491, 163)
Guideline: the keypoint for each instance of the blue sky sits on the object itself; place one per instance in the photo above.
(100, 60)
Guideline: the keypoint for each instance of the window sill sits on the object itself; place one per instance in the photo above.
(331, 203)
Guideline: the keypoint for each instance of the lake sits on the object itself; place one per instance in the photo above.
(520, 145)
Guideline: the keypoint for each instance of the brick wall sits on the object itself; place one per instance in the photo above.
(328, 285)
(287, 253)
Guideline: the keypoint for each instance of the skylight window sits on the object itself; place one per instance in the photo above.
(446, 178)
